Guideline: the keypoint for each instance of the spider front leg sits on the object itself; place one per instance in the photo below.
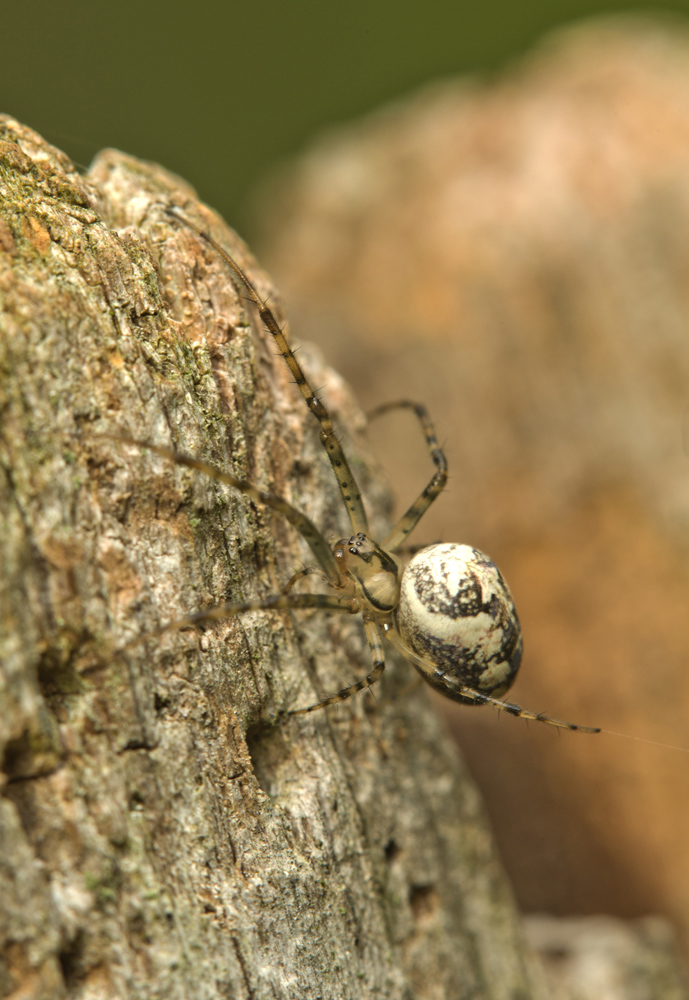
(276, 602)
(327, 569)
(349, 489)
(306, 528)
(378, 657)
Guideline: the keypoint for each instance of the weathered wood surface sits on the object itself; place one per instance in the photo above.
(162, 833)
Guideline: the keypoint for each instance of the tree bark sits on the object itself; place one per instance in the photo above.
(164, 832)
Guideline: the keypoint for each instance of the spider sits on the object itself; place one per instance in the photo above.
(449, 611)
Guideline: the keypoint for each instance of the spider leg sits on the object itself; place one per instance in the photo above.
(407, 551)
(277, 602)
(440, 679)
(411, 518)
(378, 656)
(300, 575)
(345, 479)
(510, 707)
(301, 522)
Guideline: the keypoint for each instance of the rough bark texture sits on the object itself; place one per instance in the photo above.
(162, 833)
(516, 254)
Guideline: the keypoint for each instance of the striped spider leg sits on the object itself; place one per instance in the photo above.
(449, 612)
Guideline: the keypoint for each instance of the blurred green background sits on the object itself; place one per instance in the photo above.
(218, 91)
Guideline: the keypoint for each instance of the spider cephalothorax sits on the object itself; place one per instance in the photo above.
(375, 573)
(449, 612)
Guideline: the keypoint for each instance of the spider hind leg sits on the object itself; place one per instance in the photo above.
(452, 687)
(522, 713)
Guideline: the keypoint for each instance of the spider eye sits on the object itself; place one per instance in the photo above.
(456, 611)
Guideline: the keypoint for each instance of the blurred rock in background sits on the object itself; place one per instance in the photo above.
(603, 958)
(515, 253)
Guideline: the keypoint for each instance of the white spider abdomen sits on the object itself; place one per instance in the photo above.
(456, 612)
